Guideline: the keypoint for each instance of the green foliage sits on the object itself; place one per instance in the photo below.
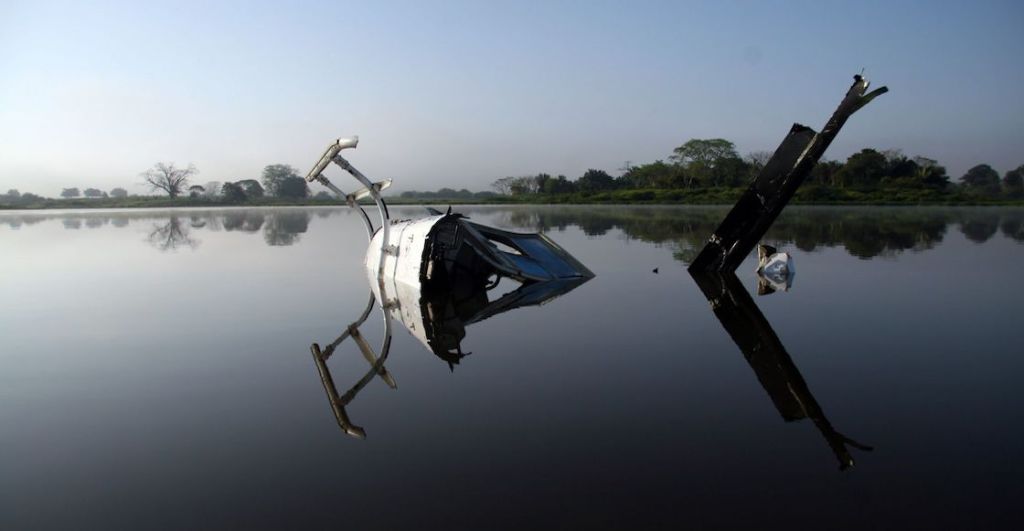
(252, 188)
(558, 185)
(292, 187)
(703, 159)
(982, 179)
(1013, 183)
(595, 181)
(233, 192)
(654, 175)
(276, 177)
(863, 170)
(701, 171)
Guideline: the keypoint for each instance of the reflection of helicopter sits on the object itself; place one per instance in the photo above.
(764, 352)
(775, 271)
(433, 275)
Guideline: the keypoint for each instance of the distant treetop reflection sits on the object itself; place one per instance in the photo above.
(283, 227)
(171, 235)
(865, 232)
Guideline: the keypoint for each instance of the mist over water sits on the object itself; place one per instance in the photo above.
(155, 372)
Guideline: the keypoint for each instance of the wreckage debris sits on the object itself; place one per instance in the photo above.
(775, 270)
(768, 195)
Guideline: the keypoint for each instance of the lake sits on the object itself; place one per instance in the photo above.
(156, 372)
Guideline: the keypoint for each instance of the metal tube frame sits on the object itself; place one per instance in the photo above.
(376, 362)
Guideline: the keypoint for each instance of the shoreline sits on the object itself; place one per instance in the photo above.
(164, 203)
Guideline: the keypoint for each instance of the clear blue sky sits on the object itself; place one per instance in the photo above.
(459, 94)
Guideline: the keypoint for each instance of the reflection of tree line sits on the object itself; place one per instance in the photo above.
(863, 232)
(175, 230)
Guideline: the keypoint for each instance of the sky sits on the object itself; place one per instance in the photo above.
(458, 94)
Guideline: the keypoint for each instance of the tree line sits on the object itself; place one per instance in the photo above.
(714, 164)
(276, 180)
(863, 232)
(701, 170)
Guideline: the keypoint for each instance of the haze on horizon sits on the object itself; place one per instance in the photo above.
(460, 94)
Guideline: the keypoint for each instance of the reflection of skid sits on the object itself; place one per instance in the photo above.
(338, 402)
(437, 320)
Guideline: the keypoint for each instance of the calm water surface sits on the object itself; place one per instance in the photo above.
(155, 372)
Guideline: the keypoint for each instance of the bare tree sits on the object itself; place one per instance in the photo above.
(166, 177)
(504, 185)
(758, 158)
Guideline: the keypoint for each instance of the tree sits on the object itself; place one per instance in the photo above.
(1013, 182)
(119, 192)
(898, 166)
(504, 185)
(864, 169)
(195, 191)
(654, 175)
(729, 171)
(69, 193)
(594, 181)
(558, 185)
(825, 173)
(324, 196)
(13, 194)
(233, 192)
(274, 177)
(541, 182)
(252, 188)
(756, 161)
(930, 173)
(523, 185)
(92, 192)
(982, 179)
(168, 177)
(700, 156)
(703, 150)
(212, 189)
(293, 187)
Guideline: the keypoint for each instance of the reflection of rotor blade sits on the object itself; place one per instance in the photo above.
(763, 349)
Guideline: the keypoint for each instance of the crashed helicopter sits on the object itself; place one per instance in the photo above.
(433, 274)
